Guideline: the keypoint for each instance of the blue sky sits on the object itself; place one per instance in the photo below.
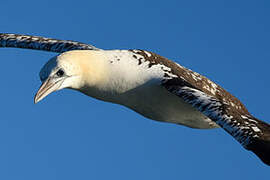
(70, 136)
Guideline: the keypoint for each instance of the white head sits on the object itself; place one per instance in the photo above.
(73, 69)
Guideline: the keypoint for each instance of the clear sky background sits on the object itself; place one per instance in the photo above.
(70, 136)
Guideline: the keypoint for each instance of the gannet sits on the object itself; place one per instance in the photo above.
(151, 85)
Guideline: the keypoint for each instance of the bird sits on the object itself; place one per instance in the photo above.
(149, 84)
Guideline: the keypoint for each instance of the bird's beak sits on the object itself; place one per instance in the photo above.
(47, 87)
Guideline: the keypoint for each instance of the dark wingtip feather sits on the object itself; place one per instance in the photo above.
(261, 145)
(262, 149)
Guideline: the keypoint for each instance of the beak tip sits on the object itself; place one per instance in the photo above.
(36, 100)
(47, 87)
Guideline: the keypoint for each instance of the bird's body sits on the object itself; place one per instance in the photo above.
(138, 88)
(149, 84)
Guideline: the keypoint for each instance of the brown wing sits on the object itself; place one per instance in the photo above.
(41, 43)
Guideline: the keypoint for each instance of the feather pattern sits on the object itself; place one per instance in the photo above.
(41, 43)
(242, 127)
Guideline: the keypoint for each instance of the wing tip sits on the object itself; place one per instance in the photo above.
(262, 149)
(261, 145)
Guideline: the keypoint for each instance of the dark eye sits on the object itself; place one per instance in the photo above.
(60, 73)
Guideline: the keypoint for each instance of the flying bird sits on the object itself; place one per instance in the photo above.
(151, 85)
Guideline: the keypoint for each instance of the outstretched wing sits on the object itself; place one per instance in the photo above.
(214, 102)
(41, 43)
(252, 133)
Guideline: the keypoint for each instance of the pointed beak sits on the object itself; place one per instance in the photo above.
(47, 87)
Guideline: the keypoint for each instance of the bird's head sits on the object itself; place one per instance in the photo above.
(73, 69)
